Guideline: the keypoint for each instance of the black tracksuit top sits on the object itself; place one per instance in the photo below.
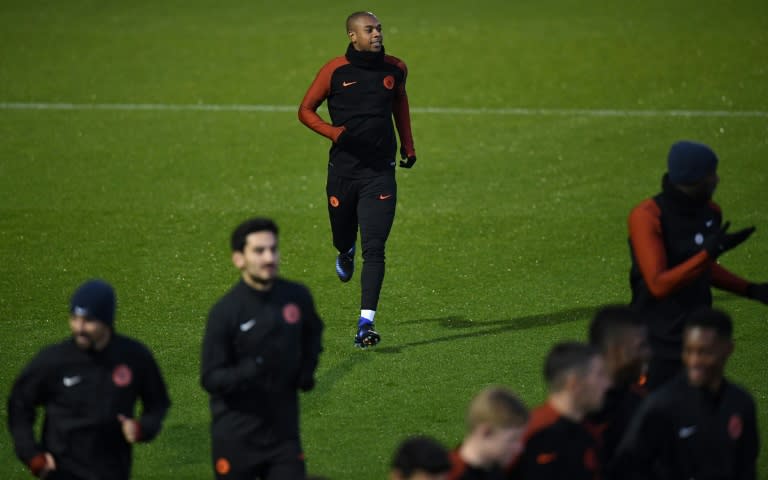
(82, 393)
(257, 347)
(691, 433)
(364, 90)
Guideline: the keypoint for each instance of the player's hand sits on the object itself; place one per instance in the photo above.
(722, 241)
(306, 382)
(42, 465)
(407, 161)
(759, 292)
(131, 428)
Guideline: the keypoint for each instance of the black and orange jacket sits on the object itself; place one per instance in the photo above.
(609, 423)
(556, 448)
(82, 393)
(683, 431)
(671, 273)
(364, 91)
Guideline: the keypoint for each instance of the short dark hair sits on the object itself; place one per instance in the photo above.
(717, 320)
(354, 16)
(567, 357)
(610, 323)
(421, 453)
(252, 225)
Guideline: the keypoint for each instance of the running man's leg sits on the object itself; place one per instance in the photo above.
(342, 211)
(375, 213)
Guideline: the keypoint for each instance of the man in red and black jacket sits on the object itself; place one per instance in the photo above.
(675, 239)
(364, 89)
(558, 445)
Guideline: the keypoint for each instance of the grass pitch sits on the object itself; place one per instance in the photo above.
(510, 230)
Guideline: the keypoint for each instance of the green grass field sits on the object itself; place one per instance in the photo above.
(510, 231)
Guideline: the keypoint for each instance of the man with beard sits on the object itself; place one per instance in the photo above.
(261, 345)
(699, 425)
(88, 386)
(675, 239)
(365, 90)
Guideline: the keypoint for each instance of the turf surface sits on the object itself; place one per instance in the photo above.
(510, 230)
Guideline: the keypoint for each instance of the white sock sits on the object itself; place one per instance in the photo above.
(368, 314)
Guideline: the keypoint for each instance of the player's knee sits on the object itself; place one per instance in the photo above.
(373, 250)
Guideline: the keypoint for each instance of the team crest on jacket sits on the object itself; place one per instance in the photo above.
(389, 82)
(291, 313)
(735, 426)
(122, 375)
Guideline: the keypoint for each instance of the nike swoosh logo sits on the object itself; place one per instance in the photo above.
(347, 84)
(71, 381)
(244, 327)
(545, 458)
(384, 197)
(686, 432)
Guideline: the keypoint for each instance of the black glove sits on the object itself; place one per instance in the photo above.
(721, 241)
(407, 161)
(306, 381)
(759, 292)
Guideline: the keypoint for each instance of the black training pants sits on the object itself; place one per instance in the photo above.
(370, 204)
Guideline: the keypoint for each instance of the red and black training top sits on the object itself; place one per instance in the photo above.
(671, 272)
(556, 448)
(364, 91)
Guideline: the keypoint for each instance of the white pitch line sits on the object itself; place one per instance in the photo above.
(561, 112)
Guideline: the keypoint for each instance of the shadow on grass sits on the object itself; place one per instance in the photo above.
(330, 377)
(493, 327)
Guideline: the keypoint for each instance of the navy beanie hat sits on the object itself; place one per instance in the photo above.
(688, 162)
(94, 299)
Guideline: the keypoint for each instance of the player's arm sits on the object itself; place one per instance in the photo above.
(750, 445)
(154, 400)
(402, 114)
(728, 281)
(220, 370)
(647, 242)
(28, 391)
(311, 343)
(315, 96)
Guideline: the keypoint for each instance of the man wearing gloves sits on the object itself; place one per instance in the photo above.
(675, 240)
(88, 386)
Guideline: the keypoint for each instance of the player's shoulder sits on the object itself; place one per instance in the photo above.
(130, 345)
(399, 63)
(292, 287)
(648, 206)
(54, 352)
(335, 63)
(738, 393)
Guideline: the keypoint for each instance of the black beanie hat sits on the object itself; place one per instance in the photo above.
(94, 299)
(688, 162)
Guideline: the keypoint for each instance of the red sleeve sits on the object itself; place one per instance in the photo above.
(402, 111)
(315, 96)
(730, 282)
(648, 246)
